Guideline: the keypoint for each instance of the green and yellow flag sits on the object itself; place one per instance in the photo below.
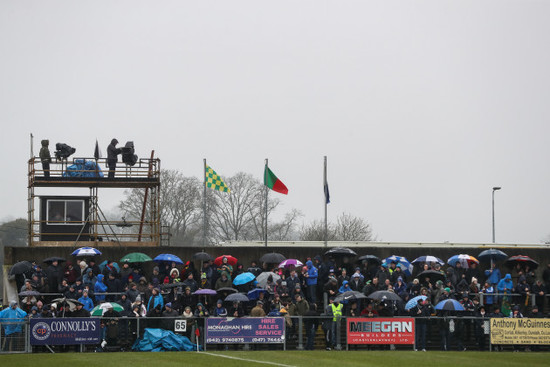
(213, 181)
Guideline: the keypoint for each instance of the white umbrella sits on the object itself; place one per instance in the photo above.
(262, 278)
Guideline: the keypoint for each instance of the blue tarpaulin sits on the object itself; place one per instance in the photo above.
(83, 168)
(160, 340)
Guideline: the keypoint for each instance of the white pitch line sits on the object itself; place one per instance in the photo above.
(248, 360)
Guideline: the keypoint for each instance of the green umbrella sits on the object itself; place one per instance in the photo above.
(99, 310)
(135, 257)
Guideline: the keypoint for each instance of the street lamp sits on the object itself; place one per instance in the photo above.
(494, 189)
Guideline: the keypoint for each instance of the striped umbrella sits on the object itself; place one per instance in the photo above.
(428, 259)
(86, 251)
(290, 263)
(464, 260)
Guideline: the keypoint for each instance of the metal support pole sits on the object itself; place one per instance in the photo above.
(493, 206)
(300, 334)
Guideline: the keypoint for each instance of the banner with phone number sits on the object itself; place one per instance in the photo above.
(380, 330)
(526, 331)
(229, 330)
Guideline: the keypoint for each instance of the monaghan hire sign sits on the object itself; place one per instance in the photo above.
(520, 331)
(380, 331)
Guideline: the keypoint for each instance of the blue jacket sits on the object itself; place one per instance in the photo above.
(100, 287)
(12, 320)
(506, 282)
(493, 277)
(312, 273)
(154, 301)
(87, 302)
(345, 287)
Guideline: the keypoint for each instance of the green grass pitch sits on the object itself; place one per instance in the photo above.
(279, 358)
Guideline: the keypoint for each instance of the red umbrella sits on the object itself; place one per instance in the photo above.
(522, 260)
(230, 260)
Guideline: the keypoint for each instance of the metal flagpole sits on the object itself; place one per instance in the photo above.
(325, 195)
(204, 224)
(32, 152)
(266, 192)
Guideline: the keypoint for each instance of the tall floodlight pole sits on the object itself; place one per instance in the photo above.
(204, 224)
(325, 189)
(493, 202)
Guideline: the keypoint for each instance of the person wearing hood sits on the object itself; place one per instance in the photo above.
(505, 285)
(155, 300)
(112, 157)
(220, 311)
(224, 281)
(86, 301)
(345, 287)
(45, 157)
(12, 319)
(311, 281)
(89, 279)
(132, 292)
(357, 281)
(524, 291)
(399, 287)
(100, 287)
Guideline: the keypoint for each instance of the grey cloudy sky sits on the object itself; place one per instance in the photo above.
(421, 106)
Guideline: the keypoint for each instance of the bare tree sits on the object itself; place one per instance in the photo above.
(180, 204)
(347, 228)
(285, 229)
(351, 228)
(231, 216)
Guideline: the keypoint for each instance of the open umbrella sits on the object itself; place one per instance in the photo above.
(86, 251)
(491, 255)
(135, 257)
(226, 290)
(449, 305)
(168, 258)
(432, 274)
(341, 251)
(349, 296)
(255, 293)
(523, 261)
(99, 310)
(428, 259)
(50, 260)
(67, 301)
(262, 278)
(272, 258)
(243, 278)
(385, 295)
(202, 256)
(403, 264)
(413, 302)
(464, 259)
(236, 297)
(104, 263)
(205, 292)
(20, 268)
(255, 270)
(371, 259)
(288, 263)
(29, 294)
(230, 260)
(396, 259)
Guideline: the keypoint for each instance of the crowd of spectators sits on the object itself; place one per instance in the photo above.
(170, 291)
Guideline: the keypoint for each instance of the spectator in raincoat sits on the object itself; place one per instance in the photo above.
(12, 320)
(311, 281)
(345, 287)
(505, 285)
(86, 301)
(220, 311)
(155, 300)
(100, 287)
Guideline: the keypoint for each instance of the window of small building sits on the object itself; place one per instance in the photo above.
(65, 212)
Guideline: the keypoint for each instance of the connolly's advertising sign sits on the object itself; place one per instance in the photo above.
(520, 331)
(380, 331)
(65, 331)
(245, 330)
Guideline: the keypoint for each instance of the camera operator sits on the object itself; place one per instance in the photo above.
(112, 157)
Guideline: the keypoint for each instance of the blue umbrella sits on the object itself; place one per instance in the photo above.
(449, 305)
(103, 264)
(255, 293)
(428, 259)
(404, 265)
(414, 301)
(86, 251)
(168, 258)
(243, 278)
(395, 258)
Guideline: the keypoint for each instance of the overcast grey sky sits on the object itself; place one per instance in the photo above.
(421, 106)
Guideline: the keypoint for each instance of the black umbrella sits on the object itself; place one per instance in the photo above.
(255, 270)
(50, 260)
(20, 268)
(67, 302)
(227, 290)
(385, 296)
(523, 261)
(272, 258)
(371, 259)
(491, 255)
(349, 296)
(341, 251)
(29, 294)
(432, 274)
(202, 256)
(237, 297)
